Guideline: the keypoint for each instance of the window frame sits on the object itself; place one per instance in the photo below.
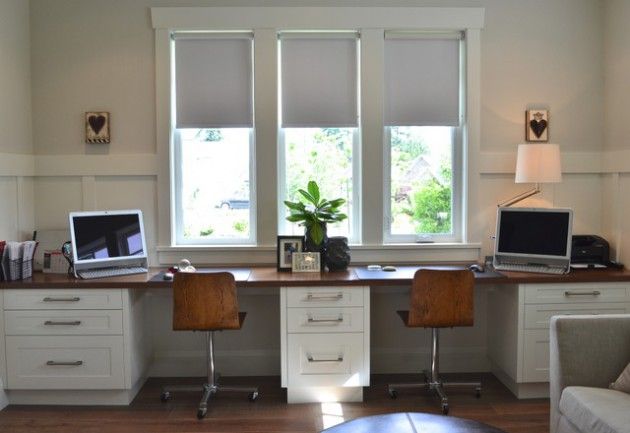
(370, 22)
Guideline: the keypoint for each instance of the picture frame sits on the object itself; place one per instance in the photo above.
(306, 262)
(97, 127)
(287, 245)
(537, 126)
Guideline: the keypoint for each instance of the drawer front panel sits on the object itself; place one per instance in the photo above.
(63, 299)
(575, 293)
(538, 316)
(536, 356)
(326, 360)
(63, 322)
(314, 320)
(65, 362)
(325, 297)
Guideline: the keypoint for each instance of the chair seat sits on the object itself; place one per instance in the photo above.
(241, 319)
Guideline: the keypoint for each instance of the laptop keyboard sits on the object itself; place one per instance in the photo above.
(111, 272)
(543, 269)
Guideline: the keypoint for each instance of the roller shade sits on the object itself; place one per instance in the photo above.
(213, 81)
(319, 80)
(422, 80)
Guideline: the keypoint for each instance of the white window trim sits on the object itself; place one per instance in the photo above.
(264, 21)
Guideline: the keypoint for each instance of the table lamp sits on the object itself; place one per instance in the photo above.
(535, 163)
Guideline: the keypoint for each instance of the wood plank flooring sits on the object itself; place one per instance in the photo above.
(230, 413)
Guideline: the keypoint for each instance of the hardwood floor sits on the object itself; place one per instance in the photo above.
(233, 413)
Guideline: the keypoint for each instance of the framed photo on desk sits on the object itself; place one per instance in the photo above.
(287, 245)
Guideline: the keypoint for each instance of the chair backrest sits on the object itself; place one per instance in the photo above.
(204, 301)
(441, 298)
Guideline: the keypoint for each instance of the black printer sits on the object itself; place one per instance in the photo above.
(590, 249)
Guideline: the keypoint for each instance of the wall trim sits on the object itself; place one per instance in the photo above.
(17, 164)
(96, 165)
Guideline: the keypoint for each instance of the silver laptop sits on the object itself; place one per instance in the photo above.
(533, 240)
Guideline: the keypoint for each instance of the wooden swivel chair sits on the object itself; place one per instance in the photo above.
(439, 299)
(206, 302)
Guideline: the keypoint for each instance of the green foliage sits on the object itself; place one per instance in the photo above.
(313, 211)
(240, 226)
(206, 232)
(210, 134)
(432, 208)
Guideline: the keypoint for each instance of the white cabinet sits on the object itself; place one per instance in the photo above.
(74, 346)
(518, 326)
(325, 343)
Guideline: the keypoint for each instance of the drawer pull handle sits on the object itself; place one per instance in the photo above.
(593, 293)
(312, 297)
(311, 359)
(337, 320)
(74, 299)
(64, 363)
(72, 323)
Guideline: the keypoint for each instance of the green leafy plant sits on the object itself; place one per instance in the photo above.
(240, 226)
(315, 212)
(206, 232)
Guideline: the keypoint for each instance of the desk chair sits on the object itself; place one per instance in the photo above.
(439, 299)
(206, 302)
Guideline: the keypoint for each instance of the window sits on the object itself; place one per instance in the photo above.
(319, 134)
(423, 138)
(213, 139)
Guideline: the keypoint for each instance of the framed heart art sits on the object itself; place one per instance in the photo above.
(537, 126)
(97, 127)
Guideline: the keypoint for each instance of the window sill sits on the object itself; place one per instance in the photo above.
(248, 255)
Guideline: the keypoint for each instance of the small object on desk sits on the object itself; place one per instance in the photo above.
(587, 266)
(374, 267)
(185, 266)
(389, 268)
(476, 267)
(168, 276)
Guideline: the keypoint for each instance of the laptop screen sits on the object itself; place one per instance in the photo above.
(107, 236)
(535, 232)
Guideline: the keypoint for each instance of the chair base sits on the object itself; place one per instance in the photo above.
(208, 391)
(436, 386)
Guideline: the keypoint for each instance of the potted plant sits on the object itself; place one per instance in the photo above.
(314, 213)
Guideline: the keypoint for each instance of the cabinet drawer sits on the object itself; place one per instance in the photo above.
(63, 322)
(536, 356)
(574, 293)
(326, 360)
(62, 299)
(70, 362)
(325, 297)
(313, 320)
(538, 316)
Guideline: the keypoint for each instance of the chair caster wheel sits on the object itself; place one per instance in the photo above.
(478, 392)
(165, 396)
(393, 394)
(253, 396)
(201, 413)
(444, 409)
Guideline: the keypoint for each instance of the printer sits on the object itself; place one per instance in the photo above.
(590, 250)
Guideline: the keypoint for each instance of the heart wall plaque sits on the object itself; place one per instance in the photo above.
(97, 127)
(537, 126)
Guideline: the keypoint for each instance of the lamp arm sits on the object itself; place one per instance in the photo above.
(521, 196)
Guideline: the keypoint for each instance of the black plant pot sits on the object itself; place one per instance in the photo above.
(337, 253)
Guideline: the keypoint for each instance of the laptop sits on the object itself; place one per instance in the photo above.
(533, 240)
(108, 243)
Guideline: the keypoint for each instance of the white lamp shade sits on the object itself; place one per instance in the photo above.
(538, 163)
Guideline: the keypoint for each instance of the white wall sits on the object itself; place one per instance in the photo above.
(91, 55)
(16, 191)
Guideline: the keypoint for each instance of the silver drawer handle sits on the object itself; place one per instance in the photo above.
(311, 359)
(593, 293)
(337, 320)
(64, 363)
(72, 323)
(74, 299)
(312, 297)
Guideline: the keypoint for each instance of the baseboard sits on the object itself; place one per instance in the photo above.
(452, 360)
(521, 390)
(233, 363)
(324, 394)
(4, 400)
